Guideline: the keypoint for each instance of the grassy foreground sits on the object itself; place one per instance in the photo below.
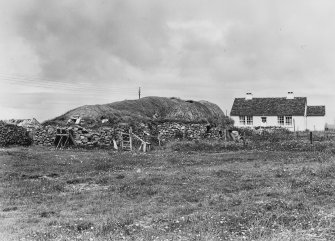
(101, 195)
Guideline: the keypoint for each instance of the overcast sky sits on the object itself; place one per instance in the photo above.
(58, 55)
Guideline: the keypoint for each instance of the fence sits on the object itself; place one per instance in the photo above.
(315, 135)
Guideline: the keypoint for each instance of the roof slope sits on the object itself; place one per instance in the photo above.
(269, 106)
(149, 108)
(316, 110)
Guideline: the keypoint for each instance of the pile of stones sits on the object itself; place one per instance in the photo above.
(14, 135)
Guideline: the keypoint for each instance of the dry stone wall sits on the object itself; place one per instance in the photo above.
(104, 136)
(170, 131)
(83, 137)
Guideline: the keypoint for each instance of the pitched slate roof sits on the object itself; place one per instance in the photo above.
(269, 106)
(317, 110)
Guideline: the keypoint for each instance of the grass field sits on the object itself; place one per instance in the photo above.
(164, 195)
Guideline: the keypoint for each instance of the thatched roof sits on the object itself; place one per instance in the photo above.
(317, 110)
(149, 108)
(269, 107)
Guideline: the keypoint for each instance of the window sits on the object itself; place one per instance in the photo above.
(246, 120)
(242, 120)
(263, 120)
(249, 120)
(281, 120)
(288, 120)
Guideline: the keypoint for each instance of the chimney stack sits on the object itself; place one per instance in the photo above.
(290, 96)
(248, 96)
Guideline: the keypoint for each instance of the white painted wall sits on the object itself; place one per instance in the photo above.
(298, 122)
(316, 123)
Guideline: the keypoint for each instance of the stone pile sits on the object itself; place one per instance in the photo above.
(14, 135)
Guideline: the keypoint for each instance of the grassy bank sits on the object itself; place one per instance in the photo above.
(166, 195)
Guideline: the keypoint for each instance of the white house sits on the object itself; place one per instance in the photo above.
(289, 112)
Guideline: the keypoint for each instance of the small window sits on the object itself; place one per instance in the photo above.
(249, 120)
(288, 120)
(242, 120)
(281, 120)
(263, 120)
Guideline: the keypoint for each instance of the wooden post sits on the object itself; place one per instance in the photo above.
(243, 139)
(131, 138)
(159, 139)
(311, 137)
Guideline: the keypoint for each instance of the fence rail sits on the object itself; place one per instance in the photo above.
(314, 135)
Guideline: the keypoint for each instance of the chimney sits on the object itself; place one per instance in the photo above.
(248, 96)
(290, 96)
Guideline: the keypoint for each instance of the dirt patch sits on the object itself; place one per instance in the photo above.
(79, 180)
(84, 187)
(9, 209)
(47, 214)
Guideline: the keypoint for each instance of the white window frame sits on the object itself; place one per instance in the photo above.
(242, 120)
(264, 118)
(250, 120)
(281, 120)
(288, 120)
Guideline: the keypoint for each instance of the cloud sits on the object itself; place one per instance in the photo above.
(86, 39)
(213, 50)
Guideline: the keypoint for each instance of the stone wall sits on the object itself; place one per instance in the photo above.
(171, 131)
(103, 136)
(83, 137)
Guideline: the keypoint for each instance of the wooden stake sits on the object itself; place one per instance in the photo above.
(243, 139)
(131, 138)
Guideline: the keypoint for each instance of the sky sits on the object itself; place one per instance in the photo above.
(58, 55)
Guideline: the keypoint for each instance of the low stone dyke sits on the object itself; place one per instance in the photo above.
(172, 131)
(104, 136)
(83, 137)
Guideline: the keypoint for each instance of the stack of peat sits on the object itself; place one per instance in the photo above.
(14, 135)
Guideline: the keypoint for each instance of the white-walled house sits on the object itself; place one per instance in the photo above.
(289, 112)
(316, 120)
